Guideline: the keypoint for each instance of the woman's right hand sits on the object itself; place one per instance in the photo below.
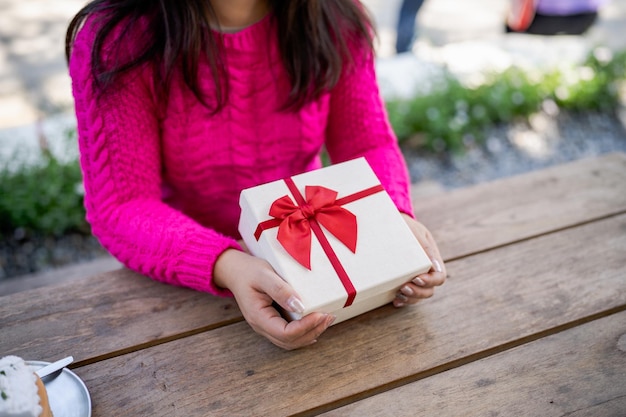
(256, 286)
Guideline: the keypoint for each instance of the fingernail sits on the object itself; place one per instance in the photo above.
(437, 265)
(331, 320)
(406, 290)
(403, 298)
(295, 305)
(323, 319)
(419, 282)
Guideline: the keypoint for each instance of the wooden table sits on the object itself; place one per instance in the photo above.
(531, 322)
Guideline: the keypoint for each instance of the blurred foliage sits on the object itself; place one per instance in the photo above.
(453, 115)
(46, 198)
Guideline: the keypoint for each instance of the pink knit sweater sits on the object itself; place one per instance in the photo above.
(162, 182)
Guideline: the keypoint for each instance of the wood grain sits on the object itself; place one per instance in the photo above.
(105, 315)
(112, 313)
(492, 302)
(496, 213)
(58, 275)
(579, 372)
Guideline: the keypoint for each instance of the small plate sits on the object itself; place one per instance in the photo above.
(67, 393)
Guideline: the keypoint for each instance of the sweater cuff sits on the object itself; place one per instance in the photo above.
(197, 261)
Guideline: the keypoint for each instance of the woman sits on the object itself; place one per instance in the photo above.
(182, 104)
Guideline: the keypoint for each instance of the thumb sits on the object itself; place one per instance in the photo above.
(281, 292)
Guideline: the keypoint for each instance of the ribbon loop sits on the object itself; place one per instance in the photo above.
(294, 231)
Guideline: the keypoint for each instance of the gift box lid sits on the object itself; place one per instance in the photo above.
(387, 253)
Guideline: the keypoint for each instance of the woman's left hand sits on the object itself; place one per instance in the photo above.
(422, 286)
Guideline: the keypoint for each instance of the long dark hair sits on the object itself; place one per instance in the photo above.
(315, 40)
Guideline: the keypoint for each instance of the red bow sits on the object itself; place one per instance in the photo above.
(294, 230)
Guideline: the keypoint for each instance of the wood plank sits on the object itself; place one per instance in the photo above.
(57, 275)
(503, 211)
(106, 314)
(579, 372)
(492, 302)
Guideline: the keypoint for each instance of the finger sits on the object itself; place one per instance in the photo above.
(435, 257)
(281, 292)
(429, 280)
(298, 333)
(311, 335)
(438, 265)
(402, 300)
(411, 294)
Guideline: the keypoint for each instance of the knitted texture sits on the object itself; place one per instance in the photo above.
(162, 180)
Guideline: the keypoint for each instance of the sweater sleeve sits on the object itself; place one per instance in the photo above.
(358, 126)
(121, 161)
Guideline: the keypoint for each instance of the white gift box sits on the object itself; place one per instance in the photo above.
(386, 256)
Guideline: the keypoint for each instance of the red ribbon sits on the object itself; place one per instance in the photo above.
(295, 221)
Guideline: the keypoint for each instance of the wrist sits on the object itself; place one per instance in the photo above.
(223, 268)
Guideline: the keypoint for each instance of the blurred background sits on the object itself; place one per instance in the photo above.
(469, 101)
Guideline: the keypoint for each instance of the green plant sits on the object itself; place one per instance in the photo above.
(594, 85)
(453, 115)
(44, 198)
